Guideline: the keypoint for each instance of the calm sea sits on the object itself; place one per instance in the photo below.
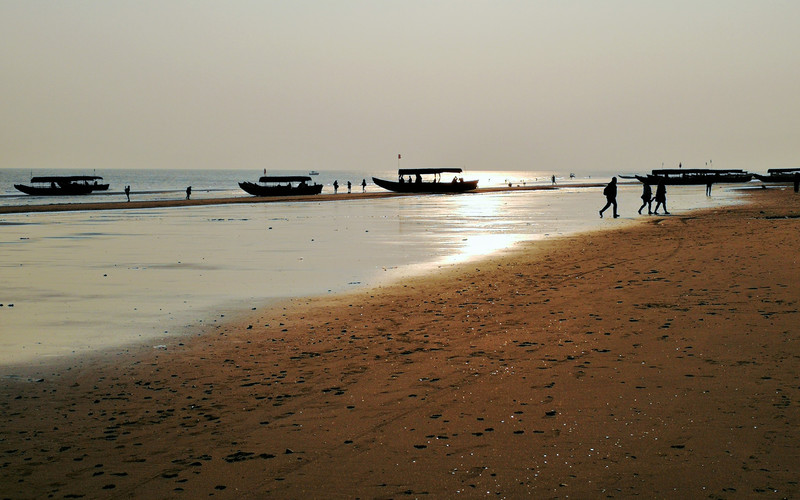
(167, 184)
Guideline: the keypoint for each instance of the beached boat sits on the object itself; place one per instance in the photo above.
(415, 183)
(784, 175)
(695, 176)
(287, 185)
(63, 185)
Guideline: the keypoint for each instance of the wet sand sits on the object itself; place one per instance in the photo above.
(112, 205)
(658, 360)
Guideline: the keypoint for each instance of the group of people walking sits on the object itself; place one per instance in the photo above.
(610, 192)
(350, 186)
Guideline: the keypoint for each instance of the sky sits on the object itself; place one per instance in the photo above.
(561, 86)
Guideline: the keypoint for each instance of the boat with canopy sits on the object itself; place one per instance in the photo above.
(281, 185)
(695, 176)
(416, 184)
(63, 185)
(779, 175)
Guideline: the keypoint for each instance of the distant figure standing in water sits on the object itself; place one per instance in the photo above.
(349, 186)
(647, 198)
(128, 193)
(661, 197)
(188, 192)
(554, 180)
(610, 191)
(335, 186)
(363, 185)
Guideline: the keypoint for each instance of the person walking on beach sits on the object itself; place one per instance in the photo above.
(554, 180)
(349, 185)
(610, 191)
(661, 197)
(363, 185)
(335, 186)
(188, 192)
(128, 193)
(647, 198)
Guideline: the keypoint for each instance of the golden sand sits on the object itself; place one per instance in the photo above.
(659, 360)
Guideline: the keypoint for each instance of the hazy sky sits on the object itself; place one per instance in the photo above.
(558, 86)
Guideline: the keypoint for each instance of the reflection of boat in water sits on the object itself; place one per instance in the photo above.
(695, 176)
(785, 175)
(417, 185)
(288, 185)
(313, 172)
(63, 185)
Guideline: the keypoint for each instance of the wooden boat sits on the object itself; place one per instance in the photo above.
(287, 185)
(63, 185)
(417, 185)
(695, 176)
(784, 175)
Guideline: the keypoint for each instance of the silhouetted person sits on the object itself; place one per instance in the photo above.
(363, 185)
(647, 198)
(661, 197)
(188, 192)
(796, 182)
(708, 188)
(335, 186)
(349, 186)
(611, 197)
(418, 179)
(128, 193)
(554, 179)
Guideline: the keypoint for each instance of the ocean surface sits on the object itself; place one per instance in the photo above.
(78, 282)
(172, 184)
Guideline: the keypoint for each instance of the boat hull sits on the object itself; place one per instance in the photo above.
(695, 180)
(69, 190)
(262, 190)
(426, 187)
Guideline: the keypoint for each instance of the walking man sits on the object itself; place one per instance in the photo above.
(610, 191)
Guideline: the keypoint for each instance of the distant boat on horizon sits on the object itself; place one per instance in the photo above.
(313, 172)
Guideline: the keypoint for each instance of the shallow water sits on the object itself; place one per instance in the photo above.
(81, 281)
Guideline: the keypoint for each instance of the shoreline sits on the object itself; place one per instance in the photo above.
(117, 205)
(657, 359)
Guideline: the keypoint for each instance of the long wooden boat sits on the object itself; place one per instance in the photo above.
(417, 185)
(286, 185)
(784, 175)
(695, 176)
(63, 185)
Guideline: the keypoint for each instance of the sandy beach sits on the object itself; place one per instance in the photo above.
(659, 360)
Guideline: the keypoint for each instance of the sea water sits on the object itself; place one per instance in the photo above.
(153, 184)
(76, 282)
